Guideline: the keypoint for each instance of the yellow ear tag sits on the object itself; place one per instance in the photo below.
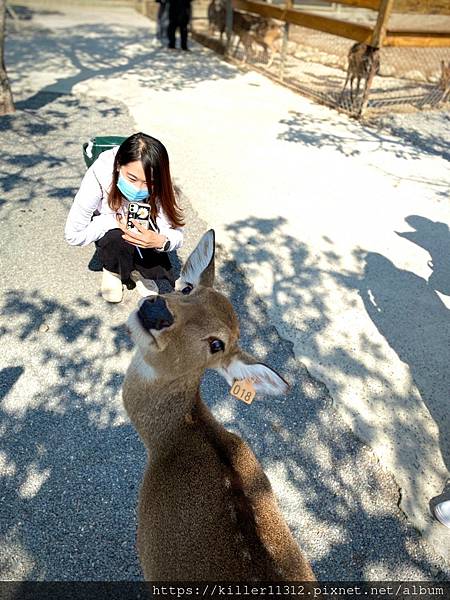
(243, 390)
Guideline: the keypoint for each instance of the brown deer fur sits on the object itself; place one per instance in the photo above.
(206, 508)
(251, 29)
(266, 34)
(363, 63)
(248, 29)
(444, 80)
(217, 16)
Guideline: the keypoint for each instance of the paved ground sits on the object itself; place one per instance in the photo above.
(326, 234)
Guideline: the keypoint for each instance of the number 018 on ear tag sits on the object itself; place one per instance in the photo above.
(243, 390)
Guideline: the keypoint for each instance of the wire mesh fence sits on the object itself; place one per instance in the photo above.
(317, 63)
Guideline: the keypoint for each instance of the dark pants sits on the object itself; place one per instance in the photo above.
(179, 15)
(118, 256)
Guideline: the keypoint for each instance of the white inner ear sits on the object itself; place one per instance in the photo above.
(197, 261)
(264, 379)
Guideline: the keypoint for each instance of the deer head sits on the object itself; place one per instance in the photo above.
(181, 334)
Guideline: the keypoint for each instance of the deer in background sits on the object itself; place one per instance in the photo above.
(217, 16)
(206, 508)
(263, 32)
(444, 81)
(363, 63)
(248, 29)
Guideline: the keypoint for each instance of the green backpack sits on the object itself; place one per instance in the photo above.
(97, 145)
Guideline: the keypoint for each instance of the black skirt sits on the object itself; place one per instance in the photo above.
(121, 257)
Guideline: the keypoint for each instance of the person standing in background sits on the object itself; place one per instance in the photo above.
(179, 17)
(162, 22)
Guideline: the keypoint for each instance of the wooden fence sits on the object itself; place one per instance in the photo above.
(425, 7)
(379, 35)
(376, 36)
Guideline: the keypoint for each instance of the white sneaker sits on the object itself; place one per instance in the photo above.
(145, 287)
(442, 512)
(111, 288)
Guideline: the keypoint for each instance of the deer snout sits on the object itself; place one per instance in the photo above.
(154, 314)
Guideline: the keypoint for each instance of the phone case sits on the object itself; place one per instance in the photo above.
(140, 212)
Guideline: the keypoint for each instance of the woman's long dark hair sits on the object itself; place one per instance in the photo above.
(155, 162)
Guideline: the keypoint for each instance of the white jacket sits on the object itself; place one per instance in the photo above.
(82, 229)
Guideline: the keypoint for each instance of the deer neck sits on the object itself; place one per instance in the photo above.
(158, 407)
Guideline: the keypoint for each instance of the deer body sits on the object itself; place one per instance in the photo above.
(217, 14)
(444, 81)
(248, 29)
(266, 34)
(363, 63)
(206, 508)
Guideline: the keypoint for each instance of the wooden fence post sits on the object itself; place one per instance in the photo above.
(379, 33)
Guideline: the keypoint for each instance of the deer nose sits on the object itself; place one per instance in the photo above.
(154, 314)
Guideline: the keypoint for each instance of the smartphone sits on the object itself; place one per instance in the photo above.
(140, 211)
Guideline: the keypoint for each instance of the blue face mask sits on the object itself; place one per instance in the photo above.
(130, 192)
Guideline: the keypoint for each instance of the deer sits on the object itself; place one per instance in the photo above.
(248, 29)
(363, 63)
(217, 14)
(266, 33)
(252, 29)
(444, 81)
(206, 511)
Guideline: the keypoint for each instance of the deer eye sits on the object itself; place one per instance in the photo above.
(187, 289)
(216, 346)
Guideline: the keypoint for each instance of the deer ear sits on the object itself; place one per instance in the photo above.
(265, 380)
(199, 267)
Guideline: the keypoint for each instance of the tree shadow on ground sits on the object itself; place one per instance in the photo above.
(71, 463)
(430, 141)
(85, 52)
(41, 156)
(333, 491)
(8, 378)
(354, 139)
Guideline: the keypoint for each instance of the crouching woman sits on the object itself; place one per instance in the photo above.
(137, 170)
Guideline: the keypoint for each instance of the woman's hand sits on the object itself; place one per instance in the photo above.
(143, 238)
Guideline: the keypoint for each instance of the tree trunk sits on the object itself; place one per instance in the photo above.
(6, 100)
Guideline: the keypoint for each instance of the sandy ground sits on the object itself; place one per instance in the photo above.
(336, 237)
